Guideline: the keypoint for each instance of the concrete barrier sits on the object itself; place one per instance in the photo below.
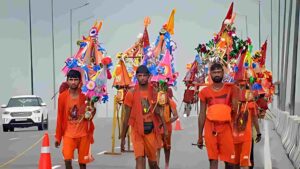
(293, 135)
(295, 151)
(276, 117)
(279, 117)
(283, 124)
(297, 162)
(290, 128)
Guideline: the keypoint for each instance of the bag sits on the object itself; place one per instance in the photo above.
(241, 121)
(219, 113)
(190, 96)
(148, 127)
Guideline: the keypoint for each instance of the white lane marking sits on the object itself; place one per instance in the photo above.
(15, 138)
(102, 152)
(56, 166)
(267, 154)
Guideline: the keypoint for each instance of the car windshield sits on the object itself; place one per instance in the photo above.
(23, 102)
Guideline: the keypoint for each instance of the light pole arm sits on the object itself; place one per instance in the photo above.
(71, 24)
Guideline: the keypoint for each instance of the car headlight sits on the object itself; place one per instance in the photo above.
(6, 112)
(37, 111)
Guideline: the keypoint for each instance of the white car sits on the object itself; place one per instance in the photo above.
(24, 111)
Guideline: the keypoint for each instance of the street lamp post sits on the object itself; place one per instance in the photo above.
(80, 21)
(30, 46)
(246, 22)
(259, 35)
(71, 10)
(240, 32)
(53, 55)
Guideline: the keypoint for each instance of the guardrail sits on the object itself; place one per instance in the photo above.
(288, 128)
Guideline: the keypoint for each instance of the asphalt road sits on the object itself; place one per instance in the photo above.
(184, 155)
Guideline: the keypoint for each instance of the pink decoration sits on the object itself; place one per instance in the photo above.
(91, 85)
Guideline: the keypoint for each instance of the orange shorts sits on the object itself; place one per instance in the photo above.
(83, 146)
(242, 153)
(146, 145)
(220, 145)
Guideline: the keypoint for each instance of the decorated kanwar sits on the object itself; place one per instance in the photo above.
(86, 76)
(234, 89)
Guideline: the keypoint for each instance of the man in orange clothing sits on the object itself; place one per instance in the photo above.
(244, 117)
(140, 108)
(74, 123)
(215, 118)
(170, 116)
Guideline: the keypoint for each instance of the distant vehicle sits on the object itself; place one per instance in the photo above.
(24, 111)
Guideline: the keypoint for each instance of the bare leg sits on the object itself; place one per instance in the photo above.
(244, 167)
(213, 164)
(167, 157)
(82, 166)
(189, 110)
(140, 163)
(158, 156)
(229, 165)
(153, 164)
(252, 155)
(68, 164)
(236, 166)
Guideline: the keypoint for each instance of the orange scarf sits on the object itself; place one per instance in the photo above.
(136, 120)
(62, 115)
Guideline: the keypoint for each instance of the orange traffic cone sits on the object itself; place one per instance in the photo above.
(178, 125)
(45, 158)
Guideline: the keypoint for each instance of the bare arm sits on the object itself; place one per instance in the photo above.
(174, 114)
(201, 119)
(125, 123)
(159, 111)
(59, 121)
(125, 127)
(256, 125)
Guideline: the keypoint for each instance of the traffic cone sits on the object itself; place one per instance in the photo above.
(45, 158)
(178, 125)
